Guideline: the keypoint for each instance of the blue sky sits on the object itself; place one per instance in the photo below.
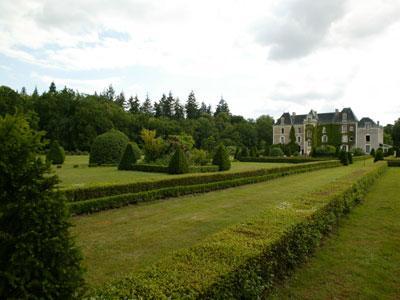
(263, 57)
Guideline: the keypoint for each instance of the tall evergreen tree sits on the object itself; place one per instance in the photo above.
(146, 107)
(167, 105)
(192, 108)
(120, 100)
(204, 109)
(35, 94)
(222, 107)
(52, 88)
(157, 109)
(133, 105)
(179, 112)
(109, 93)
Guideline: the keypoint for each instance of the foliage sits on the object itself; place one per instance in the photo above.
(178, 163)
(379, 155)
(372, 153)
(221, 158)
(275, 151)
(198, 157)
(244, 152)
(108, 148)
(350, 157)
(56, 154)
(333, 132)
(358, 152)
(165, 169)
(344, 157)
(324, 151)
(184, 141)
(396, 133)
(129, 157)
(272, 159)
(153, 147)
(121, 195)
(254, 152)
(38, 260)
(244, 261)
(394, 163)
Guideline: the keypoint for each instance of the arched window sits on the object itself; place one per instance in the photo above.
(324, 129)
(324, 138)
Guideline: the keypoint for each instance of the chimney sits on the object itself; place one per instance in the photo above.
(377, 123)
(336, 111)
(293, 114)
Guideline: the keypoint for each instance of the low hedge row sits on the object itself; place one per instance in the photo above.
(164, 169)
(393, 163)
(293, 160)
(98, 204)
(81, 194)
(247, 260)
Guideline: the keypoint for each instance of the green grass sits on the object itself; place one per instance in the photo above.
(361, 261)
(83, 176)
(126, 240)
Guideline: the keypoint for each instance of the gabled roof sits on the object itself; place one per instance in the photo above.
(363, 121)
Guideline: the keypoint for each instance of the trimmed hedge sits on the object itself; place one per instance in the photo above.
(243, 261)
(292, 160)
(221, 158)
(393, 163)
(178, 163)
(128, 159)
(81, 194)
(164, 169)
(108, 148)
(97, 204)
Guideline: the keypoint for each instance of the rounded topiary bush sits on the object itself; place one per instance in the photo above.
(56, 154)
(108, 148)
(379, 155)
(275, 151)
(344, 158)
(178, 163)
(221, 158)
(130, 157)
(372, 153)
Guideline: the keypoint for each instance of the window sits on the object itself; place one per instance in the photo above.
(309, 133)
(351, 139)
(299, 130)
(309, 143)
(344, 139)
(282, 139)
(351, 128)
(299, 139)
(344, 128)
(344, 116)
(324, 130)
(367, 138)
(367, 148)
(324, 138)
(283, 130)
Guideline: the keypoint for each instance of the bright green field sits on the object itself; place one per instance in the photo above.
(84, 176)
(361, 261)
(121, 241)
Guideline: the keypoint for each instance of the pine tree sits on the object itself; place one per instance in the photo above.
(35, 94)
(52, 88)
(39, 259)
(192, 110)
(179, 112)
(133, 105)
(109, 93)
(167, 106)
(120, 100)
(129, 157)
(157, 110)
(146, 107)
(222, 107)
(178, 163)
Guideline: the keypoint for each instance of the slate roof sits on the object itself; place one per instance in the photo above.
(365, 120)
(323, 118)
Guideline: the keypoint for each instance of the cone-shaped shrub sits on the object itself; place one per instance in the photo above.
(379, 155)
(129, 157)
(344, 158)
(350, 157)
(39, 259)
(108, 148)
(372, 153)
(56, 154)
(221, 158)
(178, 163)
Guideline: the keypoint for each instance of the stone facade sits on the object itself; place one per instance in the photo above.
(340, 129)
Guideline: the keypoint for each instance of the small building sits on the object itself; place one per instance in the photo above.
(340, 129)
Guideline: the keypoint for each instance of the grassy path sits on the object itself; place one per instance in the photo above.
(121, 241)
(361, 261)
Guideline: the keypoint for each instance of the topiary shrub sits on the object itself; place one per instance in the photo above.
(129, 157)
(275, 151)
(178, 163)
(324, 151)
(379, 155)
(221, 158)
(108, 148)
(39, 259)
(350, 157)
(344, 158)
(358, 152)
(56, 154)
(372, 153)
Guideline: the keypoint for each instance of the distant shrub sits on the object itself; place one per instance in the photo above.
(350, 157)
(254, 152)
(344, 157)
(129, 157)
(178, 163)
(390, 151)
(275, 151)
(221, 158)
(108, 148)
(244, 152)
(198, 157)
(379, 155)
(56, 154)
(372, 153)
(324, 151)
(358, 152)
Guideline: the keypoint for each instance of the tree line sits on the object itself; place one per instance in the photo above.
(75, 119)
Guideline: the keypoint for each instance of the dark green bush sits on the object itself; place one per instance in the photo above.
(276, 151)
(38, 258)
(221, 158)
(129, 157)
(390, 151)
(108, 148)
(56, 154)
(324, 151)
(293, 160)
(350, 157)
(344, 157)
(244, 152)
(243, 261)
(394, 163)
(372, 153)
(379, 155)
(358, 152)
(178, 163)
(253, 152)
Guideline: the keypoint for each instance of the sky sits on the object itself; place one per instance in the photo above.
(262, 57)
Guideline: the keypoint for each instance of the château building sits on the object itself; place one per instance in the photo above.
(340, 129)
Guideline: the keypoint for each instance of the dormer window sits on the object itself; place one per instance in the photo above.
(323, 129)
(324, 138)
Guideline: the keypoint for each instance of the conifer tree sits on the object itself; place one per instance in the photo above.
(52, 88)
(146, 107)
(120, 100)
(179, 112)
(129, 157)
(109, 93)
(221, 158)
(192, 110)
(133, 105)
(178, 163)
(222, 107)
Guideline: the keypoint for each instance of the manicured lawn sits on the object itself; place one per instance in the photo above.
(125, 240)
(84, 176)
(361, 261)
